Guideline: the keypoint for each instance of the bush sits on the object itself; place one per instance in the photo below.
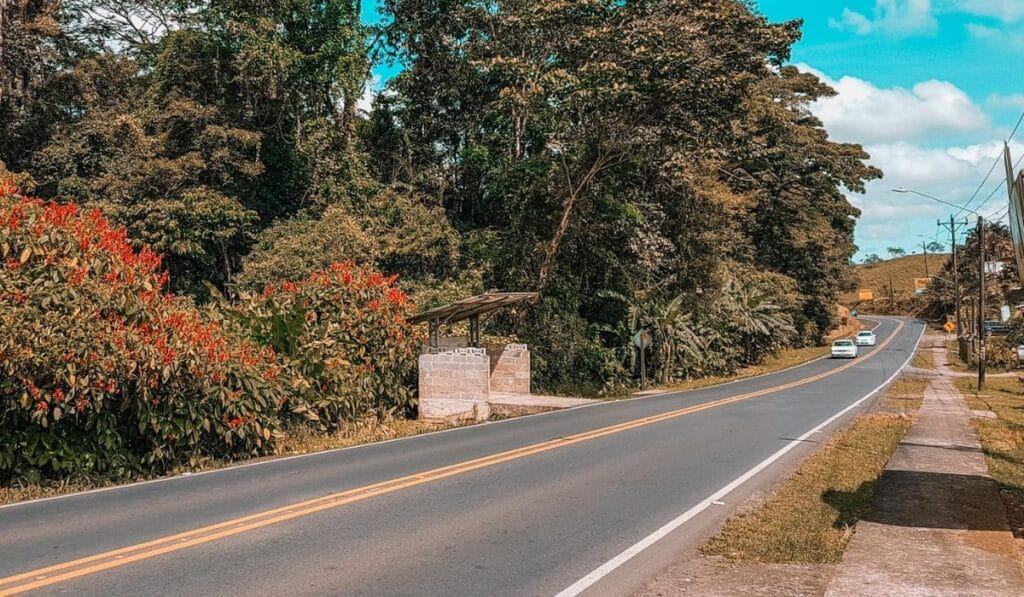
(396, 232)
(100, 371)
(1001, 353)
(343, 331)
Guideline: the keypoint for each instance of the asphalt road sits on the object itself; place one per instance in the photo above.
(567, 493)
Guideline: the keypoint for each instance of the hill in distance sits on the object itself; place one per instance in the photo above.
(902, 271)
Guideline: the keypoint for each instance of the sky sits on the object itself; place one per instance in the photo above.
(930, 88)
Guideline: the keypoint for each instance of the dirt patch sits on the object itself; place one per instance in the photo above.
(718, 576)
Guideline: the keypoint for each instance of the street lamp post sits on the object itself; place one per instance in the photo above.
(981, 276)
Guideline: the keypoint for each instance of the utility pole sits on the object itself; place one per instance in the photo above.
(924, 247)
(957, 307)
(981, 303)
(892, 298)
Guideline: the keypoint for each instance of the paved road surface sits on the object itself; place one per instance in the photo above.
(543, 502)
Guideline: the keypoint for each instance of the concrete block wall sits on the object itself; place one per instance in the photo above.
(454, 384)
(510, 370)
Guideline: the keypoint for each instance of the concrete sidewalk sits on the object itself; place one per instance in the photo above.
(937, 524)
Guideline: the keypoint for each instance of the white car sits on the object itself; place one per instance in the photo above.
(866, 338)
(844, 349)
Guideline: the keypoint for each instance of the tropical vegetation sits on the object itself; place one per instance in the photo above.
(651, 163)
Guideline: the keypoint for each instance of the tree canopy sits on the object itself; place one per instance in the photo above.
(639, 163)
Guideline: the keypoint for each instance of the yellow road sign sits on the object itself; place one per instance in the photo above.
(950, 327)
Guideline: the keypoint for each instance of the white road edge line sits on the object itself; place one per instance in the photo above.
(244, 465)
(608, 567)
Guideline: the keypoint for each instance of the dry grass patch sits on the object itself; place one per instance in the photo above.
(902, 270)
(304, 441)
(953, 358)
(810, 517)
(924, 358)
(299, 441)
(1002, 439)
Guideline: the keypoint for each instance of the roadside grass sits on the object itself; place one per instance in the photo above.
(924, 359)
(1002, 439)
(954, 360)
(300, 441)
(810, 517)
(957, 364)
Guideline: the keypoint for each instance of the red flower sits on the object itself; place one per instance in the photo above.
(373, 305)
(397, 297)
(7, 187)
(13, 263)
(58, 395)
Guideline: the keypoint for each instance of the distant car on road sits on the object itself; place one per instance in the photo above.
(996, 327)
(866, 338)
(844, 349)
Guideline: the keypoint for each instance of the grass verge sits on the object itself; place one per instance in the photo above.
(810, 517)
(924, 359)
(301, 441)
(1002, 439)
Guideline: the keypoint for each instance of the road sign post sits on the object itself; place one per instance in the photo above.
(642, 339)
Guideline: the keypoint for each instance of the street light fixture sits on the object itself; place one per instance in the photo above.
(927, 196)
(981, 274)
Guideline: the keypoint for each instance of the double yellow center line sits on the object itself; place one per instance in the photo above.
(50, 575)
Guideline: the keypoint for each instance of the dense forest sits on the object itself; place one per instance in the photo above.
(645, 163)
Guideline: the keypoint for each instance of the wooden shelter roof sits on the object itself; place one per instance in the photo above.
(472, 306)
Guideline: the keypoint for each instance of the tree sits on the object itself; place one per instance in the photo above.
(608, 146)
(31, 54)
(196, 125)
(998, 248)
(896, 252)
(871, 259)
(935, 247)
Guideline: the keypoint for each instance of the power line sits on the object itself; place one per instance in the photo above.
(990, 195)
(1019, 120)
(999, 186)
(978, 190)
(992, 169)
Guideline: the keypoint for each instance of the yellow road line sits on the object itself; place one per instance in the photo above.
(50, 575)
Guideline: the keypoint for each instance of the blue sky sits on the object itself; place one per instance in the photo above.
(929, 87)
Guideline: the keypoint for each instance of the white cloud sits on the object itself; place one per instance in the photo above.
(952, 174)
(912, 165)
(1003, 39)
(1015, 100)
(865, 113)
(1007, 11)
(370, 91)
(892, 17)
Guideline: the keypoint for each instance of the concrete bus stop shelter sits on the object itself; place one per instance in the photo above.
(460, 379)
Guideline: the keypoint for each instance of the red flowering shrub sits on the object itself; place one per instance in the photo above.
(343, 332)
(100, 370)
